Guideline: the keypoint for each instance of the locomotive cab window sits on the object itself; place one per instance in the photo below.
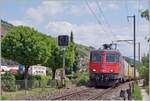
(95, 57)
(112, 57)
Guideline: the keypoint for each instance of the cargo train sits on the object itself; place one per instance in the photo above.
(108, 67)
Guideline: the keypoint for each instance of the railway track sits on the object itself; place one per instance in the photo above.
(86, 94)
(90, 94)
(74, 94)
(101, 94)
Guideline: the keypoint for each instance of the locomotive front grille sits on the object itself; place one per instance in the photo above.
(103, 77)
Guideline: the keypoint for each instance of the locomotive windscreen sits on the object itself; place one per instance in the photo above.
(112, 57)
(95, 57)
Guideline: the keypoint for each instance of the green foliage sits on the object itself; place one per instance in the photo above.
(70, 55)
(82, 78)
(55, 60)
(144, 70)
(41, 80)
(34, 81)
(145, 14)
(24, 45)
(8, 81)
(77, 61)
(137, 93)
(145, 61)
(3, 98)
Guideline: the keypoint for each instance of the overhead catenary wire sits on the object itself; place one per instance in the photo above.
(137, 12)
(96, 17)
(105, 19)
(127, 14)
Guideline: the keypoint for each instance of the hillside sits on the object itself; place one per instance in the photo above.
(130, 61)
(84, 51)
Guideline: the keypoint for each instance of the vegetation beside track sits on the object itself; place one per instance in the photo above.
(22, 93)
(137, 93)
(79, 78)
(82, 78)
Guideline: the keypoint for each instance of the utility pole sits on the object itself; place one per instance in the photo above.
(139, 51)
(134, 40)
(149, 40)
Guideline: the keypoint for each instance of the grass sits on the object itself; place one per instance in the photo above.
(137, 93)
(3, 98)
(22, 93)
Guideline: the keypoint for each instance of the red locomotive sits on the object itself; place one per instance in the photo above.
(106, 66)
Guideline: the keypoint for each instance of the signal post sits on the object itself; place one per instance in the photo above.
(63, 41)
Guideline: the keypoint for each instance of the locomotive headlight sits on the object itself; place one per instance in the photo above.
(94, 70)
(111, 70)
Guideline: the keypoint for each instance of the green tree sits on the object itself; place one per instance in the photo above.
(144, 70)
(77, 60)
(70, 55)
(55, 60)
(145, 14)
(25, 46)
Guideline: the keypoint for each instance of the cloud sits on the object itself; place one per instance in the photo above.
(46, 8)
(18, 22)
(113, 6)
(76, 11)
(93, 35)
(87, 34)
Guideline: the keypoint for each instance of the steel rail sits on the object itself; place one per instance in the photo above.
(71, 94)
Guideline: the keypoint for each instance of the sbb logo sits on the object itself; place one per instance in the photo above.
(63, 40)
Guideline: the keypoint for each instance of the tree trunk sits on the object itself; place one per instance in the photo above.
(53, 73)
(26, 76)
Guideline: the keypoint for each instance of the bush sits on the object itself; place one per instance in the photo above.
(19, 76)
(44, 81)
(34, 81)
(8, 81)
(82, 78)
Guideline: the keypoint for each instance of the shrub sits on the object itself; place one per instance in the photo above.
(19, 76)
(34, 81)
(82, 78)
(44, 81)
(39, 81)
(8, 81)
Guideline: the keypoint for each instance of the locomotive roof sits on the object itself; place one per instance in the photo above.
(106, 50)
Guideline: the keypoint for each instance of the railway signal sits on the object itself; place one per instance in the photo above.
(63, 41)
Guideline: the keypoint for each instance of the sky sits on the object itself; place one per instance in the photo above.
(93, 22)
